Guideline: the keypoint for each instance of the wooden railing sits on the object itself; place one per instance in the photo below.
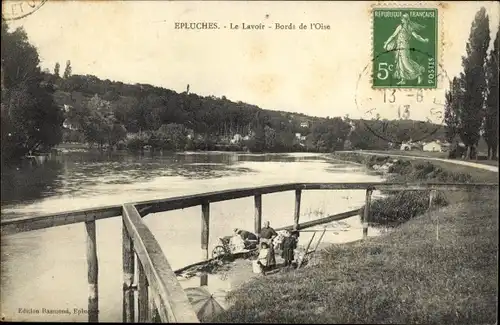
(160, 296)
(166, 301)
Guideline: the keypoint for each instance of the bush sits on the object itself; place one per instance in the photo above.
(136, 142)
(401, 207)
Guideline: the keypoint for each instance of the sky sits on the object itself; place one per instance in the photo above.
(315, 72)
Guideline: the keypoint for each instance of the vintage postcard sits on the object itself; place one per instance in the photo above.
(249, 161)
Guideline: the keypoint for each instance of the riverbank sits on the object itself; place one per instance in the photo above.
(480, 163)
(482, 158)
(408, 276)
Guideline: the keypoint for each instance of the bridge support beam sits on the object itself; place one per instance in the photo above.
(153, 316)
(128, 277)
(93, 272)
(205, 232)
(258, 214)
(142, 294)
(366, 212)
(432, 195)
(298, 195)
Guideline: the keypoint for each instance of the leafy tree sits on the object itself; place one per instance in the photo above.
(270, 138)
(363, 136)
(137, 141)
(98, 122)
(56, 69)
(330, 134)
(30, 119)
(474, 82)
(170, 136)
(67, 70)
(453, 106)
(258, 142)
(124, 111)
(491, 116)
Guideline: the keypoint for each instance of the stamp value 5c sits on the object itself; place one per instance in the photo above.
(405, 44)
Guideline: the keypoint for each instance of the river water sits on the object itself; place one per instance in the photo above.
(47, 268)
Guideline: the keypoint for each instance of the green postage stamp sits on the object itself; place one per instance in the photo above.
(405, 45)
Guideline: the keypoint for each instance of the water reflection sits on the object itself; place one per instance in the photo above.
(71, 173)
(29, 183)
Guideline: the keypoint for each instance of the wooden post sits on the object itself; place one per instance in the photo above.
(298, 194)
(142, 294)
(432, 194)
(431, 198)
(93, 271)
(128, 277)
(305, 252)
(366, 212)
(205, 232)
(258, 214)
(153, 315)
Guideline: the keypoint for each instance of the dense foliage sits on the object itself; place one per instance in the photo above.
(472, 98)
(491, 115)
(211, 123)
(30, 119)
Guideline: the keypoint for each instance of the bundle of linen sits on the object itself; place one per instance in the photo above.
(279, 239)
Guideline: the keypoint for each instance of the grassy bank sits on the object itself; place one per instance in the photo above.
(408, 276)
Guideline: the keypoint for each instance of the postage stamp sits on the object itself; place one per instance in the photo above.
(405, 47)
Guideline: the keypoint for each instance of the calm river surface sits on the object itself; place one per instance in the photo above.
(47, 268)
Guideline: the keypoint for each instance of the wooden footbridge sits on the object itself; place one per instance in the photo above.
(160, 297)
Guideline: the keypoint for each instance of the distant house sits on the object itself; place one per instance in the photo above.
(304, 124)
(68, 125)
(236, 138)
(433, 146)
(249, 136)
(407, 146)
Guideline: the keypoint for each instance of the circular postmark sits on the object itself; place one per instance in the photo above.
(400, 114)
(17, 9)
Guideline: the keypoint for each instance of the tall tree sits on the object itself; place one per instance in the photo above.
(30, 119)
(471, 116)
(491, 116)
(67, 70)
(56, 69)
(453, 105)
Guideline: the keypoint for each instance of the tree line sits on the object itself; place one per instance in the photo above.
(471, 110)
(143, 114)
(42, 108)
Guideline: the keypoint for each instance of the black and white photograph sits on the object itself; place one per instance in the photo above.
(177, 161)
